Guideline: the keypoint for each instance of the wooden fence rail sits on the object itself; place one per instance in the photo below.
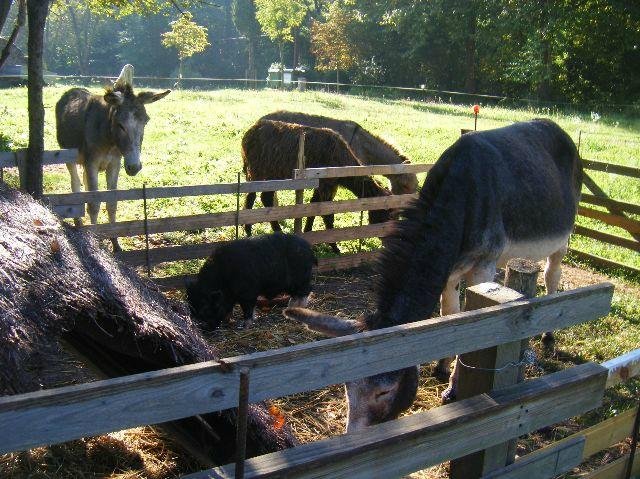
(62, 414)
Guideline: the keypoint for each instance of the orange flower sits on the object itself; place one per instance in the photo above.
(476, 109)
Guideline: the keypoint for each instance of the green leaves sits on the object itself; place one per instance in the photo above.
(186, 36)
(278, 18)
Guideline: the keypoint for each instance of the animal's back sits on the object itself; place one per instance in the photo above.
(270, 149)
(266, 264)
(343, 127)
(71, 112)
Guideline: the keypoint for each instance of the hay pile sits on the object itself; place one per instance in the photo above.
(57, 285)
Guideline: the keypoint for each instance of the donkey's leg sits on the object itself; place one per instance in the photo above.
(478, 274)
(76, 184)
(249, 200)
(113, 169)
(268, 200)
(449, 304)
(327, 192)
(552, 273)
(308, 226)
(91, 184)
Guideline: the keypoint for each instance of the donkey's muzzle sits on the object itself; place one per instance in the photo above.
(133, 170)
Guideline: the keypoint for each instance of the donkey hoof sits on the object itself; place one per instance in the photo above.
(448, 395)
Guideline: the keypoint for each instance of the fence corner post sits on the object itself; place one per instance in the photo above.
(297, 222)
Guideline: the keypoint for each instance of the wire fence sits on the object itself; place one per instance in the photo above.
(368, 90)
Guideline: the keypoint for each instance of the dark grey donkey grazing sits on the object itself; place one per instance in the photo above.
(492, 196)
(370, 149)
(239, 271)
(270, 152)
(104, 128)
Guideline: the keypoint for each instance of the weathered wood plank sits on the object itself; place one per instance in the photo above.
(179, 191)
(215, 220)
(611, 168)
(51, 416)
(425, 439)
(9, 159)
(203, 250)
(607, 238)
(632, 226)
(623, 367)
(609, 203)
(544, 463)
(602, 262)
(615, 469)
(342, 171)
(472, 382)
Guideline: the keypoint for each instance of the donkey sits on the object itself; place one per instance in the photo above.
(270, 152)
(104, 128)
(491, 196)
(370, 149)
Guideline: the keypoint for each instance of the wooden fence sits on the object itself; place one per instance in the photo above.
(391, 449)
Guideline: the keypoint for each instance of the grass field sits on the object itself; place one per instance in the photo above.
(194, 138)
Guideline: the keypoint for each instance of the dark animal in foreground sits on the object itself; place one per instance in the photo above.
(104, 128)
(492, 196)
(58, 286)
(239, 271)
(370, 149)
(270, 152)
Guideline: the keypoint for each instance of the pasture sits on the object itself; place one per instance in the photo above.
(194, 138)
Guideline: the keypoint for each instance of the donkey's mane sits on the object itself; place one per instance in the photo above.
(423, 248)
(126, 90)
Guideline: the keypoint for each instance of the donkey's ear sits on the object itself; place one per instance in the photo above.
(114, 97)
(150, 97)
(322, 323)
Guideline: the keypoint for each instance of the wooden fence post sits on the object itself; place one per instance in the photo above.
(297, 222)
(472, 382)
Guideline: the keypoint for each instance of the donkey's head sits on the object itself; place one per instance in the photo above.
(405, 183)
(373, 399)
(128, 117)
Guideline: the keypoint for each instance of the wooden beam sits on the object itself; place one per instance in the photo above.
(342, 171)
(421, 440)
(204, 250)
(484, 378)
(599, 261)
(615, 469)
(611, 168)
(623, 367)
(607, 238)
(632, 226)
(612, 205)
(216, 220)
(544, 463)
(605, 433)
(178, 191)
(57, 415)
(10, 159)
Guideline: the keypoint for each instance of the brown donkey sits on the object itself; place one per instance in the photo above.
(270, 152)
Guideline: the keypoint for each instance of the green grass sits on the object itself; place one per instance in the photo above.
(194, 138)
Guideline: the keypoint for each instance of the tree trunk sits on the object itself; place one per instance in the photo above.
(281, 67)
(31, 181)
(296, 48)
(252, 61)
(5, 8)
(22, 13)
(470, 82)
(544, 85)
(337, 81)
(81, 38)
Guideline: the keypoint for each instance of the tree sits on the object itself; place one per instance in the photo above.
(187, 37)
(243, 13)
(331, 43)
(20, 20)
(278, 19)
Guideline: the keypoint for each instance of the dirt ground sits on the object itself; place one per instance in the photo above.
(143, 453)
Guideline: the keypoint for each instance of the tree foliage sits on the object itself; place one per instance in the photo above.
(278, 18)
(331, 40)
(186, 36)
